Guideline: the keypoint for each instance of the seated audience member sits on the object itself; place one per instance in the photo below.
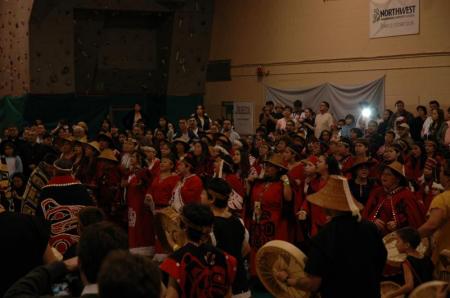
(393, 206)
(417, 268)
(96, 242)
(125, 275)
(199, 269)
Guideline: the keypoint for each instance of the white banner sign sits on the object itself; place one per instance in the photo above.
(243, 117)
(393, 17)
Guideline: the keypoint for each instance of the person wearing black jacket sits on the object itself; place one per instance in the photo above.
(134, 116)
(202, 119)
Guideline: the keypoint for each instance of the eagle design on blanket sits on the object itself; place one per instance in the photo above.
(63, 221)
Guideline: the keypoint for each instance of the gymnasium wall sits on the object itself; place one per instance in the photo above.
(302, 43)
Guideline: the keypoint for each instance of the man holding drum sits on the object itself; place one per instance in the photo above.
(347, 256)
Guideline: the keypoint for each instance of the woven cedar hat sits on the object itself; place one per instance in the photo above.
(399, 169)
(336, 195)
(95, 145)
(277, 160)
(108, 154)
(68, 139)
(360, 162)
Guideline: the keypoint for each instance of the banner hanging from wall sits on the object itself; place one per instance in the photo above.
(393, 17)
(343, 99)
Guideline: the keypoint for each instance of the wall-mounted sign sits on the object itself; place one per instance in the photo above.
(243, 117)
(393, 17)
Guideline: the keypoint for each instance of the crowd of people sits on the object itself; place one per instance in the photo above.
(69, 202)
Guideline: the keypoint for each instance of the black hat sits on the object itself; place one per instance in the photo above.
(63, 165)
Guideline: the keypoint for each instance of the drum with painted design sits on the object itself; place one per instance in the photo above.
(167, 229)
(275, 256)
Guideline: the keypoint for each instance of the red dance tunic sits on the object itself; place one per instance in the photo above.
(316, 215)
(141, 237)
(426, 193)
(346, 163)
(107, 180)
(267, 222)
(236, 184)
(413, 171)
(188, 190)
(161, 190)
(201, 271)
(399, 205)
(153, 169)
(296, 177)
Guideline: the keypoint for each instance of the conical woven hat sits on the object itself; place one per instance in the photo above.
(95, 145)
(397, 167)
(108, 154)
(334, 195)
(277, 160)
(361, 161)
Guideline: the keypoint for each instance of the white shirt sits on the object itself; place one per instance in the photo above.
(322, 122)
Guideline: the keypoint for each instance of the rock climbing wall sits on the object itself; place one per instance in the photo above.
(90, 47)
(104, 46)
(190, 48)
(14, 54)
(121, 51)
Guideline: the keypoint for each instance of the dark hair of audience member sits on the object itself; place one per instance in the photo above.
(409, 235)
(423, 108)
(333, 165)
(88, 216)
(220, 186)
(199, 215)
(96, 242)
(125, 275)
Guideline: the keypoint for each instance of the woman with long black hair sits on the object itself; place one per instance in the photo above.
(204, 164)
(415, 162)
